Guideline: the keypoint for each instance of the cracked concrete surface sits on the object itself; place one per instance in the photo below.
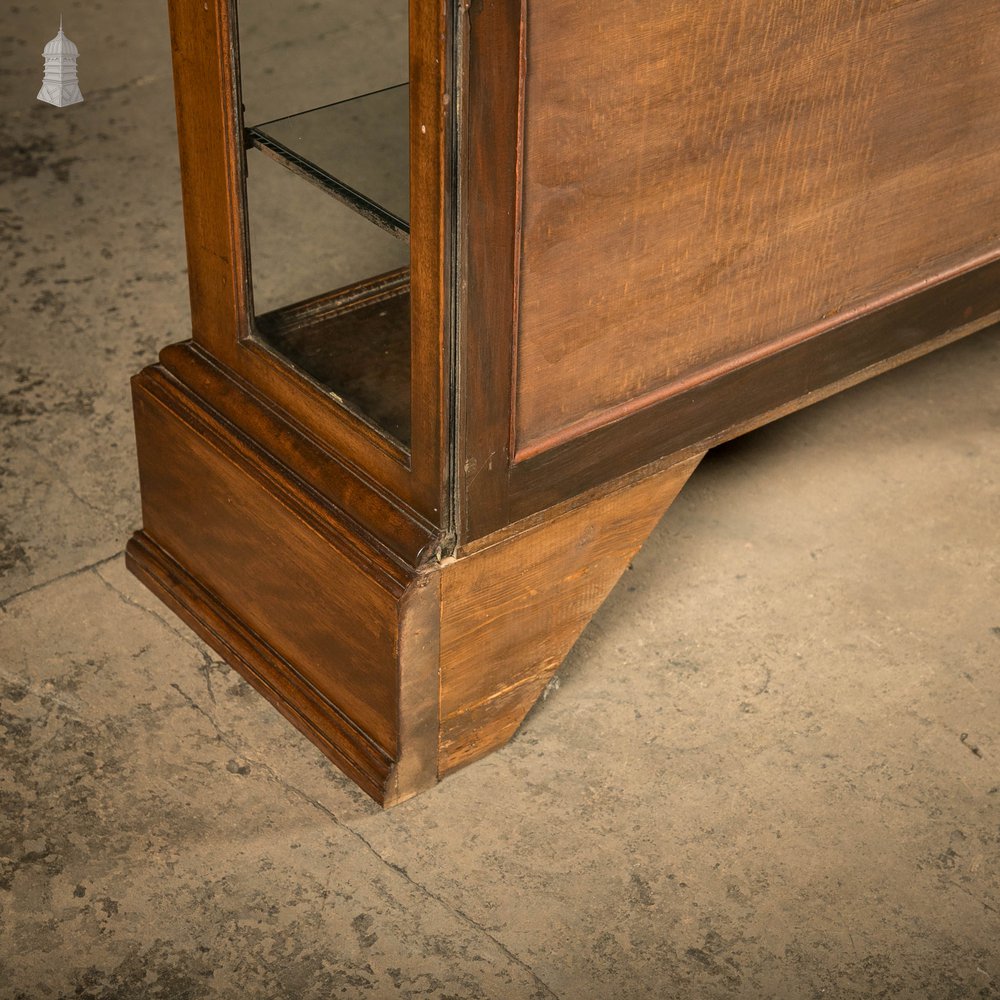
(771, 767)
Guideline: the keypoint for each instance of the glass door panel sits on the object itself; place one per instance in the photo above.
(326, 114)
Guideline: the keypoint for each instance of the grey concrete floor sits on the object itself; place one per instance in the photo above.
(771, 767)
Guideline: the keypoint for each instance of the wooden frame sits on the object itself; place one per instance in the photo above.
(502, 482)
(210, 131)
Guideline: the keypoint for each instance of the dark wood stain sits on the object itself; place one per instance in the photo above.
(269, 674)
(273, 555)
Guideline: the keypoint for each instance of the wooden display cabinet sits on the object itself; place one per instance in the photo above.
(635, 230)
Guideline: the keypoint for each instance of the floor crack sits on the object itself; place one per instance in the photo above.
(207, 663)
(61, 478)
(420, 887)
(457, 911)
(973, 896)
(65, 576)
(233, 744)
(206, 659)
(229, 741)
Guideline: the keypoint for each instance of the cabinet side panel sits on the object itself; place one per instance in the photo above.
(704, 183)
(262, 555)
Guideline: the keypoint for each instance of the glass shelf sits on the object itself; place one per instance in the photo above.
(356, 150)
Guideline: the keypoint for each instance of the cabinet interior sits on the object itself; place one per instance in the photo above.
(328, 202)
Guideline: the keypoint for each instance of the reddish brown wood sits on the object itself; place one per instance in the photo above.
(719, 409)
(398, 673)
(715, 180)
(619, 329)
(206, 80)
(295, 575)
(328, 624)
(490, 143)
(358, 498)
(432, 224)
(510, 612)
(272, 676)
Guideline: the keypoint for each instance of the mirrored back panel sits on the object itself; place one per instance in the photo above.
(326, 114)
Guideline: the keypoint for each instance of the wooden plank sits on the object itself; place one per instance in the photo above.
(385, 521)
(489, 233)
(704, 181)
(432, 220)
(210, 127)
(276, 679)
(710, 412)
(419, 662)
(206, 80)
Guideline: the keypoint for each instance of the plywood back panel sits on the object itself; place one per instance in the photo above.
(705, 181)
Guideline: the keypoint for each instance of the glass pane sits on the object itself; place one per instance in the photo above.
(303, 242)
(356, 150)
(328, 196)
(300, 56)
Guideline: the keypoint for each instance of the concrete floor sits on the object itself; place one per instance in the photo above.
(771, 767)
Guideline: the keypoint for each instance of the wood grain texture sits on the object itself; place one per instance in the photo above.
(705, 181)
(373, 513)
(677, 222)
(419, 667)
(511, 612)
(206, 79)
(314, 593)
(715, 410)
(490, 156)
(432, 223)
(398, 673)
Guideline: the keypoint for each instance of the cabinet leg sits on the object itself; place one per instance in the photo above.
(399, 671)
(511, 612)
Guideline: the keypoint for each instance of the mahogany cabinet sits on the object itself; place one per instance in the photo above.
(628, 231)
